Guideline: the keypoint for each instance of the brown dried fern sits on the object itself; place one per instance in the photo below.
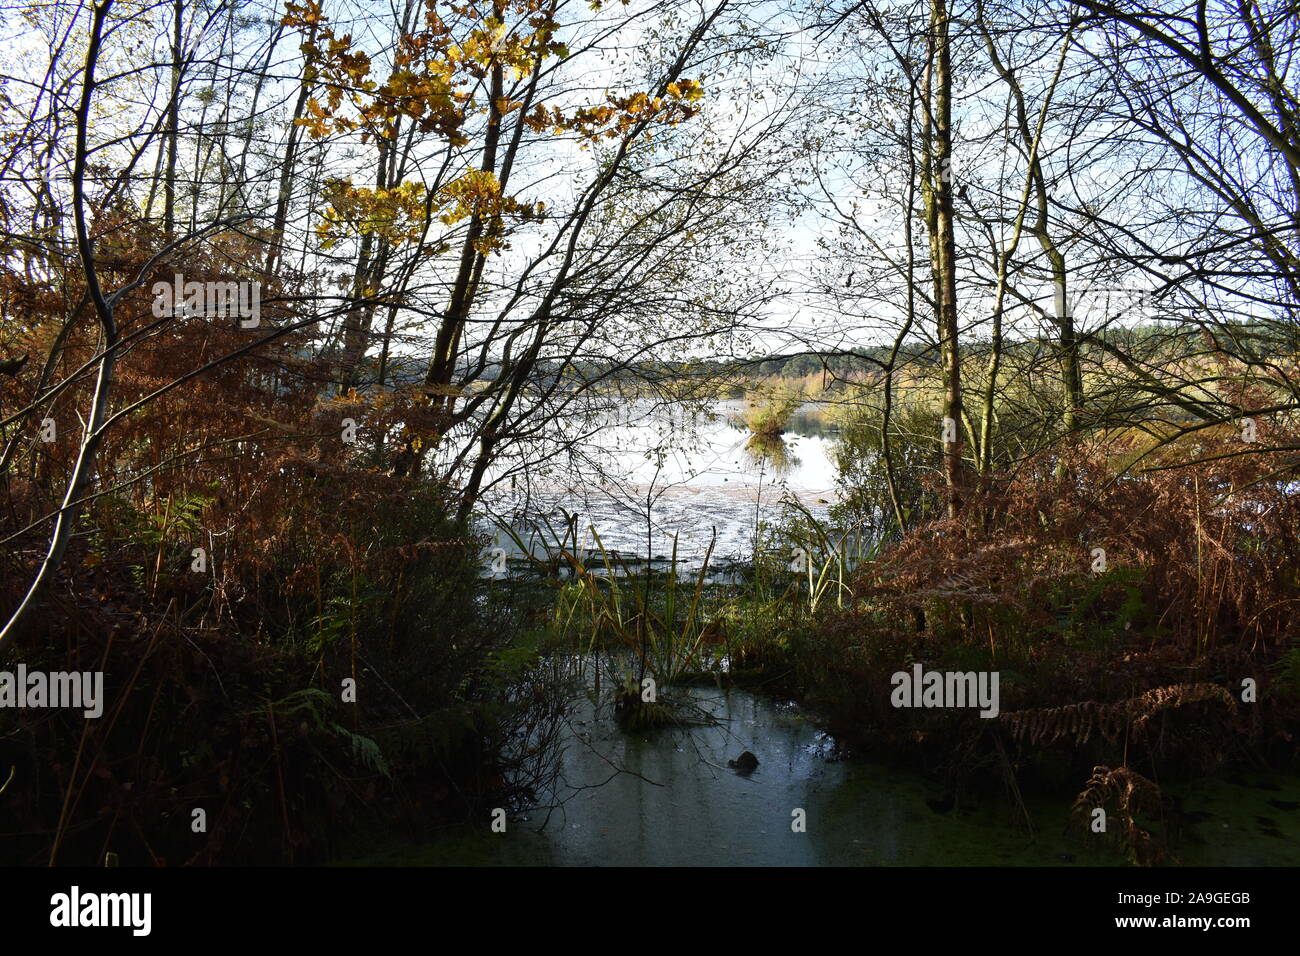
(1126, 794)
(1082, 720)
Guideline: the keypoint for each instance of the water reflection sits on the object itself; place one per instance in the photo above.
(772, 451)
(664, 476)
(813, 419)
(668, 799)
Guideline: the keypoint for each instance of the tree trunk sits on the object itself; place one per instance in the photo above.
(943, 256)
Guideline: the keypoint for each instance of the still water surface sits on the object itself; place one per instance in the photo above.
(669, 799)
(665, 476)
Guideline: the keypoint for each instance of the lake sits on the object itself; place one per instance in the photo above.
(669, 799)
(654, 474)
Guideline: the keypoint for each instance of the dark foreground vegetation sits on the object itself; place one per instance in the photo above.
(224, 683)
